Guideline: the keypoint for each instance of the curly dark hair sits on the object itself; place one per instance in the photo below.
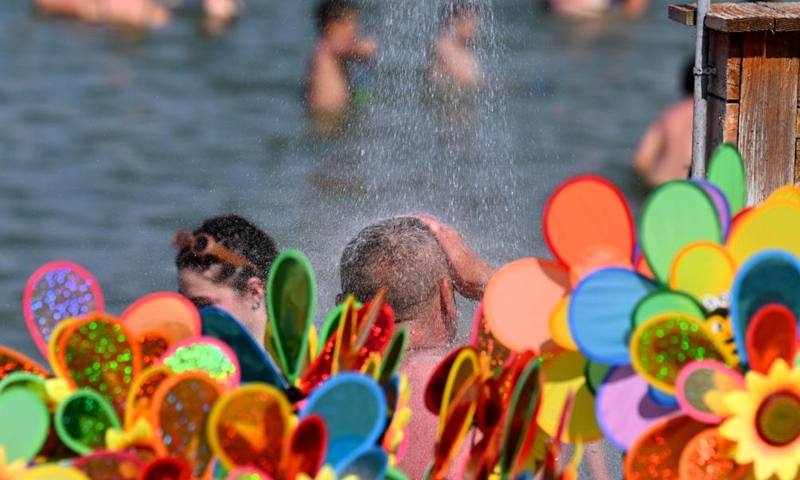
(241, 236)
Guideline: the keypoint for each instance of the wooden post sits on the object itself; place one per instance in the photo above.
(753, 96)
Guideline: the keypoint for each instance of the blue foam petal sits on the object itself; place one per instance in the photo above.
(369, 465)
(255, 362)
(601, 311)
(772, 276)
(354, 410)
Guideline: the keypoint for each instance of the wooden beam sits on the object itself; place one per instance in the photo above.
(725, 55)
(767, 138)
(723, 122)
(797, 122)
(787, 16)
(740, 17)
(743, 17)
(683, 13)
(797, 162)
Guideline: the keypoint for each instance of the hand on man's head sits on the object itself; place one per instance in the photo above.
(470, 272)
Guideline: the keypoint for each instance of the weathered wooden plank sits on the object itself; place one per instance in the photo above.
(768, 104)
(797, 163)
(787, 15)
(723, 122)
(730, 127)
(683, 13)
(797, 122)
(740, 17)
(743, 17)
(725, 55)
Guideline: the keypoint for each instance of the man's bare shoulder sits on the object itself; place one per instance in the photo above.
(678, 111)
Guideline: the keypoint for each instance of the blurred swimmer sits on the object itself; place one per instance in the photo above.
(329, 85)
(665, 151)
(139, 14)
(583, 9)
(126, 13)
(453, 63)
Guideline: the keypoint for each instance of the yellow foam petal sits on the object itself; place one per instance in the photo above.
(326, 474)
(733, 429)
(764, 466)
(714, 400)
(559, 326)
(737, 401)
(779, 371)
(794, 377)
(57, 389)
(758, 385)
(787, 468)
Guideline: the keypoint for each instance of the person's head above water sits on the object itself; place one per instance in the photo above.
(218, 14)
(225, 263)
(461, 17)
(337, 20)
(403, 255)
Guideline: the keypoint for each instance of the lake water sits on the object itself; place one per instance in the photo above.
(109, 143)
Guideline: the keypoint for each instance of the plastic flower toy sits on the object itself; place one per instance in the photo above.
(654, 339)
(765, 421)
(159, 392)
(498, 393)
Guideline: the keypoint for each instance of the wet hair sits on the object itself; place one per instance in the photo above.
(452, 10)
(243, 237)
(400, 254)
(332, 10)
(688, 77)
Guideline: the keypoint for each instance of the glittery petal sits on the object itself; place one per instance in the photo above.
(183, 403)
(99, 355)
(379, 336)
(12, 361)
(706, 457)
(207, 355)
(666, 343)
(250, 427)
(57, 292)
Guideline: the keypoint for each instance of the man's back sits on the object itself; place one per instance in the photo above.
(421, 429)
(665, 152)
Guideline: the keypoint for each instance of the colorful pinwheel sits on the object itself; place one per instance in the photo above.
(148, 395)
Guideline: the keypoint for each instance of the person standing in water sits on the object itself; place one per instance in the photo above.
(589, 9)
(225, 263)
(329, 87)
(665, 151)
(138, 14)
(125, 13)
(423, 264)
(453, 64)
